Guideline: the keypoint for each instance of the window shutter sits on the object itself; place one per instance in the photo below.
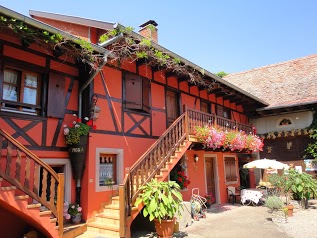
(146, 95)
(56, 96)
(133, 92)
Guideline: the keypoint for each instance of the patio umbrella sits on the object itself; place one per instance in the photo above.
(265, 164)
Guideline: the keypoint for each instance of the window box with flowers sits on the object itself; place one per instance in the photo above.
(217, 138)
(76, 137)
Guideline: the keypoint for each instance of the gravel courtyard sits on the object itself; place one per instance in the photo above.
(227, 221)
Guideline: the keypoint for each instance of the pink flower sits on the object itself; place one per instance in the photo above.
(79, 209)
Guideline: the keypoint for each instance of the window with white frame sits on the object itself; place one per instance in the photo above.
(107, 169)
(109, 166)
(231, 174)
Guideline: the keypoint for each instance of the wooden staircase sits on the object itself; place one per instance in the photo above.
(37, 199)
(114, 219)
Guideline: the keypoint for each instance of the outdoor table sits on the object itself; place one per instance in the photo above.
(252, 195)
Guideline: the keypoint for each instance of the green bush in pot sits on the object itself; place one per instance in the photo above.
(162, 201)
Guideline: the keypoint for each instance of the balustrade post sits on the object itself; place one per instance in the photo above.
(186, 123)
(215, 121)
(60, 203)
(122, 207)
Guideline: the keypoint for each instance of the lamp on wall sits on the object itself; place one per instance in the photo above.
(94, 110)
(196, 158)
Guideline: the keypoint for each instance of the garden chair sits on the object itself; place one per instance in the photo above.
(233, 194)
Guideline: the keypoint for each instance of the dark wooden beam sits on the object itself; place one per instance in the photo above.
(140, 62)
(170, 74)
(183, 79)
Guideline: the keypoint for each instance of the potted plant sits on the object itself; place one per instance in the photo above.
(109, 183)
(180, 178)
(210, 199)
(303, 186)
(74, 211)
(76, 140)
(162, 201)
(276, 205)
(283, 183)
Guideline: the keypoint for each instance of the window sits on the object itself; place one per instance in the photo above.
(107, 168)
(109, 164)
(285, 122)
(205, 107)
(20, 91)
(231, 169)
(223, 112)
(137, 93)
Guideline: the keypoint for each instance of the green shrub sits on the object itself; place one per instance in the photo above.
(274, 202)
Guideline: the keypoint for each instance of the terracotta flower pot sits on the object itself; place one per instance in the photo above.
(165, 228)
(290, 209)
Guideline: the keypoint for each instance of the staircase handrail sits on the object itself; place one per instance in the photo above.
(55, 206)
(211, 119)
(127, 187)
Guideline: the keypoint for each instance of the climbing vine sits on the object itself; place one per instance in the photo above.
(134, 47)
(79, 48)
(312, 147)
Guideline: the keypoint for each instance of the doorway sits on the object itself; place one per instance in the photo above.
(172, 107)
(211, 175)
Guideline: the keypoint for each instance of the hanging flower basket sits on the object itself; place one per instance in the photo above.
(77, 155)
(76, 137)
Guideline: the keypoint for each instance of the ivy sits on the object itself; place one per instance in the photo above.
(312, 147)
(29, 35)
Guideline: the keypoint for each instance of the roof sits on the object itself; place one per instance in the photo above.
(40, 25)
(285, 84)
(73, 19)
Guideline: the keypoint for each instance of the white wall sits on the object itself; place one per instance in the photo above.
(299, 120)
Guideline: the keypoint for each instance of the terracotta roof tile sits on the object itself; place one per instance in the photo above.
(285, 83)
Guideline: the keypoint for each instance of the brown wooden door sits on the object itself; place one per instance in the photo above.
(210, 177)
(172, 109)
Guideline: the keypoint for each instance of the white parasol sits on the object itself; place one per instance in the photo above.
(265, 164)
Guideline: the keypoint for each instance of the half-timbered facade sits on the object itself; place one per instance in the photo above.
(146, 122)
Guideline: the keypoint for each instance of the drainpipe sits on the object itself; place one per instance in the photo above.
(91, 77)
(80, 95)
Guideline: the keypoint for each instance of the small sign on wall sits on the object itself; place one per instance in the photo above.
(311, 165)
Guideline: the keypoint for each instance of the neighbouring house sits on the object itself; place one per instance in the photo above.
(290, 89)
(150, 101)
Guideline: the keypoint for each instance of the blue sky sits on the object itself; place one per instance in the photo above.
(226, 35)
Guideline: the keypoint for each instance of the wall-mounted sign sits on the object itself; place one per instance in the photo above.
(310, 164)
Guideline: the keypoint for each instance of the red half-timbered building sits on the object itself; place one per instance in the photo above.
(146, 124)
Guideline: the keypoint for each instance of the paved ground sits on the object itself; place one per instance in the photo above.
(230, 221)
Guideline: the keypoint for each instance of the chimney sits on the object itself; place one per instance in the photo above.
(149, 30)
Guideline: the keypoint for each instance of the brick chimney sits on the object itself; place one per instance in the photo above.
(149, 30)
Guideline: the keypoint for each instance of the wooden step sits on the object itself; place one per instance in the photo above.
(108, 218)
(91, 234)
(35, 205)
(108, 215)
(106, 229)
(104, 226)
(53, 220)
(22, 197)
(44, 213)
(9, 188)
